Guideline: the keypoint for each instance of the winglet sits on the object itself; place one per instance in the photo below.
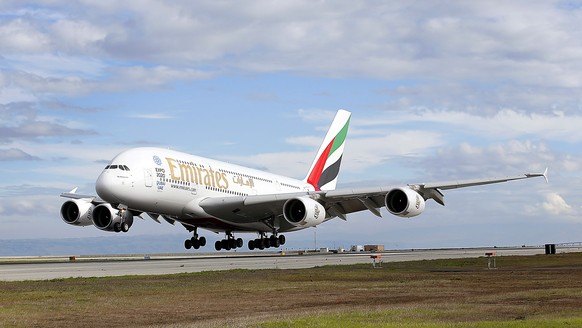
(74, 191)
(545, 175)
(325, 168)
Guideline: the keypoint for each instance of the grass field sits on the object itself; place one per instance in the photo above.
(525, 291)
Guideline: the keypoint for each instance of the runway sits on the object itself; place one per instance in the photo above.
(46, 268)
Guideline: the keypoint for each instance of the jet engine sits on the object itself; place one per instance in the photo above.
(77, 211)
(303, 212)
(404, 202)
(107, 218)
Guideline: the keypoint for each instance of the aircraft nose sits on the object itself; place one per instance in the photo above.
(105, 187)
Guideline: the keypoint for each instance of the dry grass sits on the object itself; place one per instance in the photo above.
(524, 289)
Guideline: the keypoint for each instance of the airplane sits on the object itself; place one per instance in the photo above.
(198, 192)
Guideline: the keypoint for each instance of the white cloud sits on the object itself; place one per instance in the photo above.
(155, 76)
(151, 116)
(462, 46)
(13, 154)
(27, 205)
(519, 41)
(14, 94)
(556, 205)
(514, 154)
(77, 36)
(54, 66)
(20, 36)
(92, 77)
(365, 152)
(509, 123)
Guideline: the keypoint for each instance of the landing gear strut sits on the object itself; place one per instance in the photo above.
(123, 225)
(229, 242)
(266, 242)
(195, 241)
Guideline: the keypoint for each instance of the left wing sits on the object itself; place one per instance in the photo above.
(404, 201)
(430, 188)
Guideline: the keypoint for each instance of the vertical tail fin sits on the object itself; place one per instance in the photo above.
(326, 165)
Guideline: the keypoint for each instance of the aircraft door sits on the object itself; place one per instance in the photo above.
(148, 178)
(277, 185)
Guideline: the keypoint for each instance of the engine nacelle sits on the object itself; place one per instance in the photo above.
(77, 212)
(106, 218)
(303, 212)
(404, 202)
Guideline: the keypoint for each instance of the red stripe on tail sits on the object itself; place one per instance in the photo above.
(315, 174)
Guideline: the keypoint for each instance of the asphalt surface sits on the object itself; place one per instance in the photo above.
(45, 268)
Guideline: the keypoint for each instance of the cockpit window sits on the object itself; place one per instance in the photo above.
(115, 167)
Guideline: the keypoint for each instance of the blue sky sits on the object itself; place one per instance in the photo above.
(438, 91)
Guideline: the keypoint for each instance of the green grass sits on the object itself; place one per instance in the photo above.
(524, 291)
(413, 318)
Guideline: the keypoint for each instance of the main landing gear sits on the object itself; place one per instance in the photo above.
(195, 241)
(266, 242)
(228, 243)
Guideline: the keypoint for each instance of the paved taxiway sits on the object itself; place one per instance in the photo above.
(39, 269)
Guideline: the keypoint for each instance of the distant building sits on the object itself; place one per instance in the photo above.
(357, 248)
(373, 248)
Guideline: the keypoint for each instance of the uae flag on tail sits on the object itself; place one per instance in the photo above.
(325, 168)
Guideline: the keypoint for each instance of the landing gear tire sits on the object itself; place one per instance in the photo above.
(239, 243)
(202, 241)
(282, 239)
(125, 227)
(218, 245)
(117, 227)
(251, 244)
(195, 243)
(188, 243)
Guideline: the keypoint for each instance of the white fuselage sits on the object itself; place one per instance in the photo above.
(162, 181)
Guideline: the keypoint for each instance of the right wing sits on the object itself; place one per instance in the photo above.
(73, 195)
